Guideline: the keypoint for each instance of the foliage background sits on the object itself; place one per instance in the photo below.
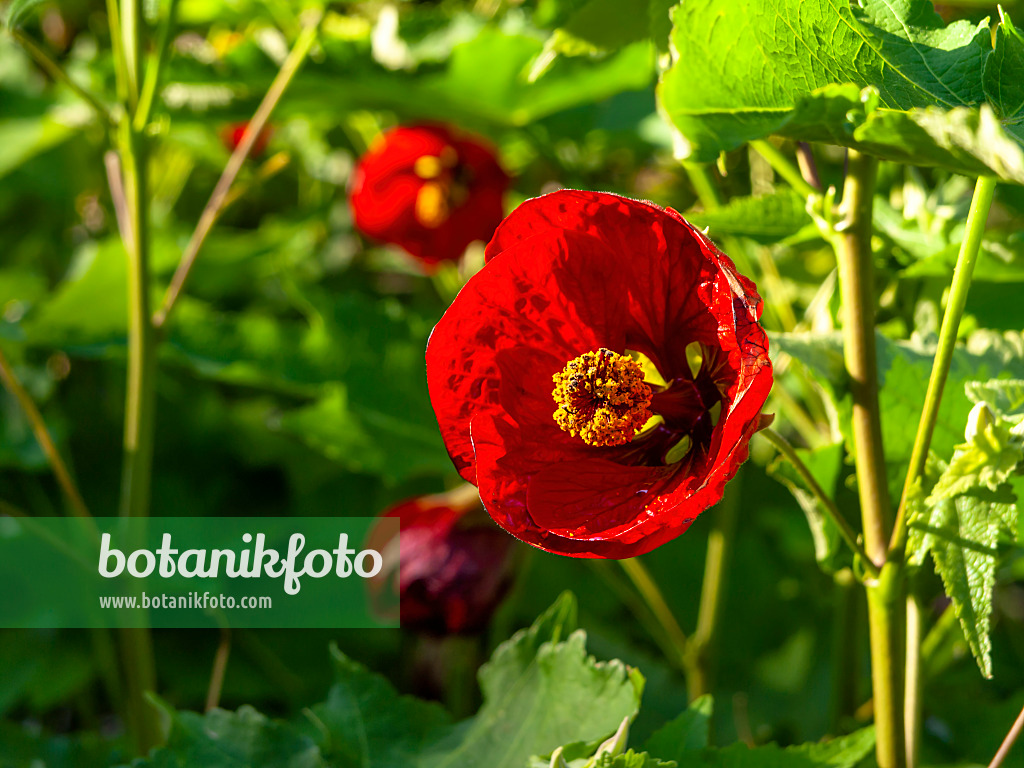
(292, 377)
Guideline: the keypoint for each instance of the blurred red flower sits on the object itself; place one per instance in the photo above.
(429, 189)
(600, 378)
(232, 135)
(452, 566)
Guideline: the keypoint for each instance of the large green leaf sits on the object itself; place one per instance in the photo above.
(366, 723)
(685, 734)
(541, 690)
(242, 739)
(798, 69)
(962, 533)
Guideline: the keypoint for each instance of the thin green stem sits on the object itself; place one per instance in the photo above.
(912, 702)
(131, 45)
(55, 71)
(984, 191)
(849, 536)
(846, 648)
(220, 193)
(42, 434)
(704, 185)
(782, 166)
(155, 67)
(117, 47)
(220, 668)
(703, 644)
(1008, 742)
(886, 608)
(652, 595)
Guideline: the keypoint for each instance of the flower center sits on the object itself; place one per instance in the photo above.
(601, 397)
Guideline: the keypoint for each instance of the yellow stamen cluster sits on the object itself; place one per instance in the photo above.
(601, 397)
(435, 198)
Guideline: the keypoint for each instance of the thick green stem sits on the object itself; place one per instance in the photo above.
(703, 181)
(885, 596)
(703, 644)
(885, 620)
(847, 533)
(984, 191)
(782, 166)
(131, 194)
(857, 287)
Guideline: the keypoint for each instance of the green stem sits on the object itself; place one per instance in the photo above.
(55, 71)
(885, 602)
(652, 595)
(154, 68)
(846, 650)
(848, 534)
(704, 185)
(42, 434)
(984, 191)
(220, 193)
(781, 165)
(857, 287)
(912, 702)
(703, 644)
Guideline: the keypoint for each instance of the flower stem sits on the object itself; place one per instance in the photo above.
(154, 68)
(912, 702)
(885, 603)
(35, 419)
(781, 165)
(55, 71)
(220, 193)
(652, 595)
(703, 644)
(984, 191)
(848, 534)
(704, 185)
(137, 465)
(1008, 742)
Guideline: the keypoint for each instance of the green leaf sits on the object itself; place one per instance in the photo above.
(844, 752)
(962, 534)
(1004, 86)
(18, 10)
(609, 24)
(540, 691)
(631, 759)
(685, 734)
(740, 73)
(365, 722)
(767, 219)
(1006, 396)
(242, 739)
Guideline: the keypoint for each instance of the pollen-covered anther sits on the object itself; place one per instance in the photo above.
(602, 398)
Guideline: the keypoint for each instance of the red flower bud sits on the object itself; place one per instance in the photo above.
(429, 189)
(600, 378)
(231, 135)
(454, 565)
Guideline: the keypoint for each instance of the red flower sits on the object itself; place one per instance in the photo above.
(593, 312)
(453, 568)
(232, 135)
(429, 189)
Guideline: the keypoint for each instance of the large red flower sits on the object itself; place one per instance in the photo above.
(452, 567)
(429, 189)
(592, 313)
